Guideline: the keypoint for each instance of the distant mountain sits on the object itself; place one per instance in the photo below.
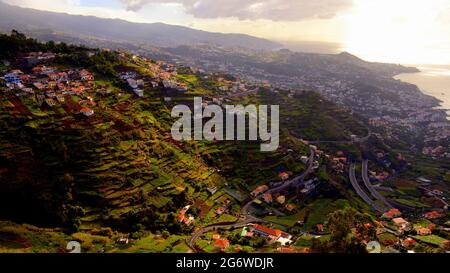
(381, 68)
(157, 34)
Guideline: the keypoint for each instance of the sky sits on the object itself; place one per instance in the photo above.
(399, 31)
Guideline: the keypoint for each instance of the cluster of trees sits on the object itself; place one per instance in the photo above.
(256, 242)
(101, 61)
(341, 224)
(16, 42)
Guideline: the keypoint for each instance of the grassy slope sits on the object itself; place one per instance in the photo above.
(126, 169)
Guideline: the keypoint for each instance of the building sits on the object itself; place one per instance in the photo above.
(259, 190)
(320, 227)
(423, 231)
(12, 78)
(222, 244)
(140, 83)
(273, 234)
(433, 215)
(402, 224)
(285, 239)
(86, 75)
(281, 199)
(183, 218)
(50, 102)
(87, 112)
(393, 213)
(60, 98)
(283, 176)
(139, 92)
(220, 210)
(304, 159)
(246, 232)
(409, 243)
(268, 198)
(266, 232)
(132, 83)
(290, 207)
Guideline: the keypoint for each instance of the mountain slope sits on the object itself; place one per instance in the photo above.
(120, 167)
(157, 34)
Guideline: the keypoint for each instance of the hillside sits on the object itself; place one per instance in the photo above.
(90, 27)
(123, 157)
(86, 157)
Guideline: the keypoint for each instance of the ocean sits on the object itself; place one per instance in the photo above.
(433, 80)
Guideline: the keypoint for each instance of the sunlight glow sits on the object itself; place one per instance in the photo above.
(403, 31)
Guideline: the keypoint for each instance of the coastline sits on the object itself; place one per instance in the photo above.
(431, 83)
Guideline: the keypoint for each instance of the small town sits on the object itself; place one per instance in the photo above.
(306, 188)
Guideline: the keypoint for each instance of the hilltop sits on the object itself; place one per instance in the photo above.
(43, 23)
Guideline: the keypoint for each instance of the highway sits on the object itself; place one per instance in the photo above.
(360, 191)
(373, 191)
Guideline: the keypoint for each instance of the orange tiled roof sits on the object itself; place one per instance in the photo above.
(222, 244)
(272, 232)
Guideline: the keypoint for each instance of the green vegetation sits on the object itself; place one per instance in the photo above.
(342, 239)
(119, 174)
(321, 208)
(430, 239)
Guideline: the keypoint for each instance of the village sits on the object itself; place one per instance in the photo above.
(79, 92)
(405, 111)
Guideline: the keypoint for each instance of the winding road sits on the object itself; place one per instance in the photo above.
(246, 218)
(289, 183)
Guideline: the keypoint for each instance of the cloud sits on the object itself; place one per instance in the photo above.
(274, 10)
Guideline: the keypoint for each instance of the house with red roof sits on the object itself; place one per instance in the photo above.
(183, 218)
(423, 231)
(222, 244)
(268, 198)
(87, 111)
(263, 231)
(433, 215)
(320, 227)
(393, 213)
(220, 210)
(283, 176)
(409, 243)
(86, 75)
(259, 190)
(290, 207)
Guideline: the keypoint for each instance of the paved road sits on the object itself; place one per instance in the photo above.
(360, 191)
(296, 180)
(359, 140)
(373, 191)
(435, 196)
(246, 218)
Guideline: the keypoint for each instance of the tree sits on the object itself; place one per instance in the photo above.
(71, 216)
(165, 234)
(343, 240)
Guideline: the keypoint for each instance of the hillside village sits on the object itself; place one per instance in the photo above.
(291, 207)
(392, 108)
